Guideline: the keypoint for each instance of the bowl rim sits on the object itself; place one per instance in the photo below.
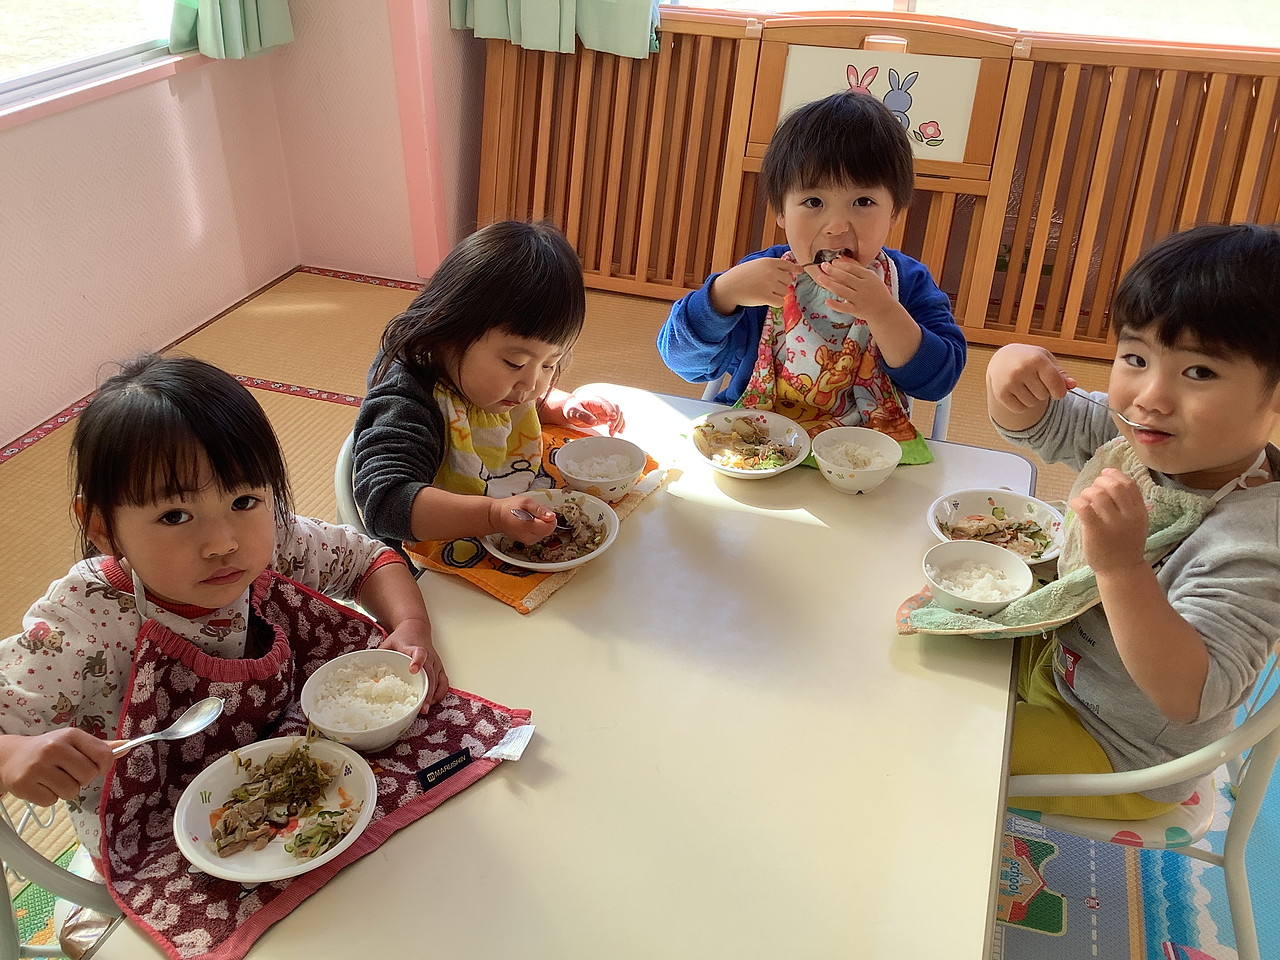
(489, 541)
(328, 666)
(931, 518)
(771, 417)
(634, 473)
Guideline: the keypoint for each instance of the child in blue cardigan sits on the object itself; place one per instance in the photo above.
(831, 328)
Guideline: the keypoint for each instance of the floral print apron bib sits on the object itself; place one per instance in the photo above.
(823, 370)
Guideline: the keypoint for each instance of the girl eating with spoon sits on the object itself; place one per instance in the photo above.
(198, 581)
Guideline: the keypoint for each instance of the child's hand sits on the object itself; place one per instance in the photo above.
(413, 638)
(856, 290)
(503, 521)
(759, 282)
(1113, 520)
(590, 410)
(52, 766)
(1021, 377)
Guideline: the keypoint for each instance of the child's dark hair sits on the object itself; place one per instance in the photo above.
(522, 278)
(848, 137)
(141, 437)
(1218, 284)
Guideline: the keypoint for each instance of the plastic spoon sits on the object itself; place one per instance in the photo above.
(1082, 394)
(197, 716)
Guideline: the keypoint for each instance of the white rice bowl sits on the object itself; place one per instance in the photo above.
(974, 577)
(365, 699)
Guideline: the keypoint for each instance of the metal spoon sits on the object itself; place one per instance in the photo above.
(522, 514)
(197, 716)
(1080, 393)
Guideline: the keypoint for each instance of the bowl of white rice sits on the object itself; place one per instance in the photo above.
(856, 459)
(605, 467)
(974, 577)
(365, 699)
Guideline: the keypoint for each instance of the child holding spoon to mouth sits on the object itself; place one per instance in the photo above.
(1158, 668)
(831, 328)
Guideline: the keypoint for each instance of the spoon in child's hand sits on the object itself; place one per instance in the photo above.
(197, 716)
(521, 514)
(1080, 393)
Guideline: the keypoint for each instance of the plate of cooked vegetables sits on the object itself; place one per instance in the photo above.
(1031, 528)
(586, 527)
(750, 443)
(275, 809)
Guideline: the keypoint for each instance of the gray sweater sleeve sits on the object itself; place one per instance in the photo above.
(399, 444)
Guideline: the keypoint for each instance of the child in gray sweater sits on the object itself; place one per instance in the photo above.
(1158, 668)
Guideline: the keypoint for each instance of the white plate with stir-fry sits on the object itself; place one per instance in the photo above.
(588, 529)
(750, 444)
(275, 809)
(1024, 525)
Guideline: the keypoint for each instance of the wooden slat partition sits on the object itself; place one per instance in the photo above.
(1127, 143)
(626, 156)
(1084, 152)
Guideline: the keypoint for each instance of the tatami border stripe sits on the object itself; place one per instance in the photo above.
(360, 278)
(272, 386)
(42, 431)
(292, 389)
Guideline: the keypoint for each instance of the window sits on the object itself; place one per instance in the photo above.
(46, 46)
(1254, 23)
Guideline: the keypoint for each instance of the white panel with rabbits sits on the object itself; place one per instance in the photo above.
(931, 96)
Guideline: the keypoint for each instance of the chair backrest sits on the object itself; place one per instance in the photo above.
(17, 855)
(343, 486)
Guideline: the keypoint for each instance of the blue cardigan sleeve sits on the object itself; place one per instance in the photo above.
(939, 360)
(699, 344)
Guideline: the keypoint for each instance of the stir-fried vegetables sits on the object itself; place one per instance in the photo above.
(744, 446)
(1023, 536)
(280, 795)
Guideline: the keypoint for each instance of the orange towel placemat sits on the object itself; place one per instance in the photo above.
(526, 590)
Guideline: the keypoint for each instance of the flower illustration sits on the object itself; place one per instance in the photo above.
(930, 133)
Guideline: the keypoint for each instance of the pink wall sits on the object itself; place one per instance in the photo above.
(129, 221)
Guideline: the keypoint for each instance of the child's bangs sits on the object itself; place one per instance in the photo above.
(172, 465)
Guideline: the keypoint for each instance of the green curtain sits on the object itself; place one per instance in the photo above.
(625, 27)
(229, 29)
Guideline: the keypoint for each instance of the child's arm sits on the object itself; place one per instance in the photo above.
(700, 342)
(1021, 380)
(581, 411)
(392, 596)
(51, 766)
(443, 515)
(1165, 655)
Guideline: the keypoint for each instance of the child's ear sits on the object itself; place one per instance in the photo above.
(95, 529)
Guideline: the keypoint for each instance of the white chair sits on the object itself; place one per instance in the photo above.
(344, 489)
(17, 856)
(1249, 752)
(941, 412)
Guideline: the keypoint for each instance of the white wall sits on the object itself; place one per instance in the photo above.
(128, 222)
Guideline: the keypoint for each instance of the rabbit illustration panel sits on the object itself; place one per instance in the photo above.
(932, 96)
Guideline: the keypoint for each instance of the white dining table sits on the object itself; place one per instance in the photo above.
(736, 755)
